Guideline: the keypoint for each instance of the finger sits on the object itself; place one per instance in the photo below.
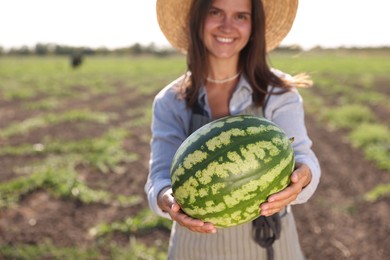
(280, 200)
(191, 222)
(270, 212)
(186, 221)
(268, 209)
(194, 225)
(210, 228)
(294, 188)
(271, 208)
(301, 174)
(276, 202)
(285, 194)
(175, 207)
(207, 228)
(295, 177)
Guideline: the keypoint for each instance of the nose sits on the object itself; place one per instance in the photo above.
(226, 24)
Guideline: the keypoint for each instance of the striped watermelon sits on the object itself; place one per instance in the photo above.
(227, 168)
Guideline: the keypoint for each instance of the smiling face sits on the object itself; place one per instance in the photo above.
(227, 28)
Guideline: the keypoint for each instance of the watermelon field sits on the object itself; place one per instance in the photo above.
(74, 151)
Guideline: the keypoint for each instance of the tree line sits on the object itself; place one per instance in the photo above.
(43, 49)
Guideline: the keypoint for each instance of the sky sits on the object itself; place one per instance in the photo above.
(122, 23)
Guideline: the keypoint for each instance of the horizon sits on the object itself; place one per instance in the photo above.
(282, 47)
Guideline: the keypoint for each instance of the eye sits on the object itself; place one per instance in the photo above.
(242, 17)
(214, 12)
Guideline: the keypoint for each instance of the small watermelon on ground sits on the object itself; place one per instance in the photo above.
(223, 171)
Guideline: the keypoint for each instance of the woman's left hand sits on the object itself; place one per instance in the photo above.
(300, 178)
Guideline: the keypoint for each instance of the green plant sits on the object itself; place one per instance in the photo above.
(49, 119)
(349, 116)
(144, 222)
(367, 134)
(45, 104)
(379, 153)
(58, 176)
(374, 140)
(105, 152)
(47, 250)
(378, 192)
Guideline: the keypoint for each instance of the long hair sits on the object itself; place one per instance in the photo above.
(252, 61)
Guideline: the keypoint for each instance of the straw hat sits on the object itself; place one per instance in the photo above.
(172, 16)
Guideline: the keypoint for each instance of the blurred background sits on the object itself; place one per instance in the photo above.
(120, 23)
(77, 81)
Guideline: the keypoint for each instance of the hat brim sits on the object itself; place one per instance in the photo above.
(172, 18)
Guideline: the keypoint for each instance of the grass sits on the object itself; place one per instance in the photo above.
(57, 175)
(47, 104)
(368, 134)
(58, 172)
(47, 250)
(357, 65)
(144, 222)
(374, 140)
(33, 123)
(349, 116)
(378, 192)
(105, 152)
(353, 77)
(364, 132)
(39, 76)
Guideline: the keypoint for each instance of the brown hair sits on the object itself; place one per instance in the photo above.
(253, 57)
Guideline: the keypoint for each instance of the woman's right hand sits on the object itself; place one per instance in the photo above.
(167, 203)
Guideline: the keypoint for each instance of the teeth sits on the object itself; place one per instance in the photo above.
(225, 40)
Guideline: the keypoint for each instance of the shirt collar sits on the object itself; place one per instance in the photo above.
(241, 98)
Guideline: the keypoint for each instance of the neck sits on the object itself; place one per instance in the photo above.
(222, 71)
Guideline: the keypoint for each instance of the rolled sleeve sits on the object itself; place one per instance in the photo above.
(286, 110)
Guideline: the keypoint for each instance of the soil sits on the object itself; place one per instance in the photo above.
(337, 223)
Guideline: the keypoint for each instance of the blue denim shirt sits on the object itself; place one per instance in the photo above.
(170, 127)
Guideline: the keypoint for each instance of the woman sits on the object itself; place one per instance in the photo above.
(226, 42)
